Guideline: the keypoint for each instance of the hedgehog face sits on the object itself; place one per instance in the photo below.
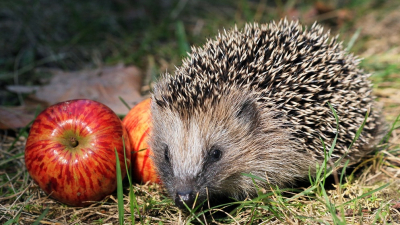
(206, 152)
(195, 152)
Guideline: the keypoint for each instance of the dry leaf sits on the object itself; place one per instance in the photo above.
(105, 85)
(15, 117)
(396, 206)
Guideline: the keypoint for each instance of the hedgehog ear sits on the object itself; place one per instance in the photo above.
(248, 113)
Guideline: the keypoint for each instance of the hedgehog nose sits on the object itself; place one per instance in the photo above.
(184, 197)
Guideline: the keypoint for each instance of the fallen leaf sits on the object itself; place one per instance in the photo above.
(396, 206)
(15, 117)
(105, 85)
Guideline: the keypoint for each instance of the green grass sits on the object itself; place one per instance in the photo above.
(120, 193)
(149, 204)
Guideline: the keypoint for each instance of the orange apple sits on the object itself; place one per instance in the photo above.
(138, 124)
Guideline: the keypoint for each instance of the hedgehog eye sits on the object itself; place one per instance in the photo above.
(215, 154)
(166, 152)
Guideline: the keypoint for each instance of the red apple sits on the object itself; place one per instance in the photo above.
(70, 151)
(138, 124)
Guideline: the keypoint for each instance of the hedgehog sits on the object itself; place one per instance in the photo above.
(257, 101)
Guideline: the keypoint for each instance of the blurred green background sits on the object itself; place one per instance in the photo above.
(153, 35)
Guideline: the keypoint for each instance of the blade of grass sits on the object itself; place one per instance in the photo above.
(343, 171)
(377, 214)
(254, 177)
(124, 102)
(12, 158)
(320, 168)
(310, 176)
(182, 40)
(120, 195)
(364, 195)
(337, 130)
(132, 198)
(303, 193)
(328, 155)
(325, 164)
(358, 133)
(11, 221)
(15, 220)
(385, 139)
(353, 39)
(37, 221)
(330, 206)
(194, 215)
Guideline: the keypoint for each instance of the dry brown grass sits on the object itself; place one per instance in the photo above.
(23, 201)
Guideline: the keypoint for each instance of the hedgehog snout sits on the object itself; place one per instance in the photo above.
(185, 192)
(183, 197)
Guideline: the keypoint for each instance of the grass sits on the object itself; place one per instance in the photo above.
(155, 37)
(359, 200)
(347, 202)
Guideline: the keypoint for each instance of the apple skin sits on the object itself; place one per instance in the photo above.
(138, 124)
(80, 175)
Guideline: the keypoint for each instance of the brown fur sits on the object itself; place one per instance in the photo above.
(260, 97)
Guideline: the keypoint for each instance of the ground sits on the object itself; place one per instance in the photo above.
(41, 40)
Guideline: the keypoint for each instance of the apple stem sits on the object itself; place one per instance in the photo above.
(73, 142)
